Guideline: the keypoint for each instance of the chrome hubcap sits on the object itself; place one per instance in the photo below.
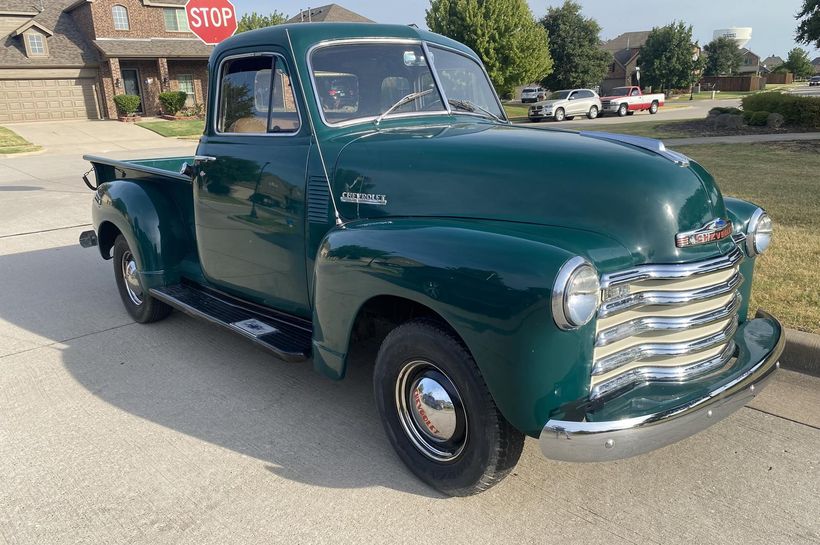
(132, 281)
(431, 412)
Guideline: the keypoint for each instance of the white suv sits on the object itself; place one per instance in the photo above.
(567, 104)
(533, 94)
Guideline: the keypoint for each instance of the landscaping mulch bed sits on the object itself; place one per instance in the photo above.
(706, 127)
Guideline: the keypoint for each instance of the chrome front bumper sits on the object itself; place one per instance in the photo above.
(616, 439)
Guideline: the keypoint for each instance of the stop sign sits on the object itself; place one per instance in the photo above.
(211, 20)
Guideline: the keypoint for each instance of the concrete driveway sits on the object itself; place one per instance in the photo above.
(178, 432)
(65, 137)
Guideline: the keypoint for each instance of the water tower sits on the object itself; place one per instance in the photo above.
(741, 35)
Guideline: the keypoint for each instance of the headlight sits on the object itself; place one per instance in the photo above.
(576, 293)
(758, 233)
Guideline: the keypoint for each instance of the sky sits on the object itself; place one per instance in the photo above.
(772, 21)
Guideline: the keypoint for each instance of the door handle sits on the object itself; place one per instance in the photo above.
(203, 158)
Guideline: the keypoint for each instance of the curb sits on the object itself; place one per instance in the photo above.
(802, 352)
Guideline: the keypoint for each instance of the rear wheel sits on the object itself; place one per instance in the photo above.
(593, 112)
(138, 302)
(623, 109)
(438, 413)
(653, 109)
(559, 114)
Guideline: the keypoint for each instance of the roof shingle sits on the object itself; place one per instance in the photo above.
(154, 47)
(331, 13)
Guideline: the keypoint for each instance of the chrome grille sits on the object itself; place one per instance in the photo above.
(666, 323)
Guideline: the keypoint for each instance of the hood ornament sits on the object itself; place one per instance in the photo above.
(713, 231)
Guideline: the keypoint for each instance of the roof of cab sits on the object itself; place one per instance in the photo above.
(305, 35)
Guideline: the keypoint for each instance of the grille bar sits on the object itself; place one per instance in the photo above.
(652, 350)
(661, 323)
(645, 298)
(649, 373)
(671, 272)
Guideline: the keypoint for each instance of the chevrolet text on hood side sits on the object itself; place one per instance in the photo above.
(360, 183)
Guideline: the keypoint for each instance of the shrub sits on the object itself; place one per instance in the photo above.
(172, 101)
(729, 121)
(717, 110)
(774, 121)
(127, 104)
(755, 119)
(795, 109)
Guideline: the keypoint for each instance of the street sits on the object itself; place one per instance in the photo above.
(179, 432)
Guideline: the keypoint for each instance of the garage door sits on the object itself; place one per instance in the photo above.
(47, 99)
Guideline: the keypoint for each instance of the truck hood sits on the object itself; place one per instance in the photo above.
(507, 173)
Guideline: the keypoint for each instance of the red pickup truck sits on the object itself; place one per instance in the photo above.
(626, 100)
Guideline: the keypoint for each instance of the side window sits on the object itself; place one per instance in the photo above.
(634, 92)
(251, 102)
(573, 95)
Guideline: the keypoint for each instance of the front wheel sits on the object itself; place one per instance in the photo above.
(653, 108)
(438, 413)
(142, 307)
(593, 112)
(559, 114)
(623, 109)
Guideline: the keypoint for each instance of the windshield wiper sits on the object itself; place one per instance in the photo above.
(469, 106)
(402, 101)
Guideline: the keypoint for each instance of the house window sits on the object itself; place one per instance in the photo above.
(175, 20)
(36, 44)
(120, 15)
(186, 83)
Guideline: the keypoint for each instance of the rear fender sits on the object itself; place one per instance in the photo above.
(150, 223)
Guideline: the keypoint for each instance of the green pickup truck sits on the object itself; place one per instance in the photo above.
(360, 182)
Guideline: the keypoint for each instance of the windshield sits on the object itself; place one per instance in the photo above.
(619, 92)
(463, 79)
(529, 90)
(362, 81)
(356, 81)
(558, 95)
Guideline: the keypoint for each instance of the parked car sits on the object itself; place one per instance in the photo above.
(567, 104)
(590, 290)
(533, 94)
(814, 80)
(628, 100)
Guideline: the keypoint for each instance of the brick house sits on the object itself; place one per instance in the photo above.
(66, 59)
(750, 64)
(623, 70)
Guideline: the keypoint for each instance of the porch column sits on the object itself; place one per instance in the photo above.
(111, 85)
(164, 81)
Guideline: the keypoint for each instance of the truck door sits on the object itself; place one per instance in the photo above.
(249, 190)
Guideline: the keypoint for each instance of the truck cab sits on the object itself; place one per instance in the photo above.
(360, 183)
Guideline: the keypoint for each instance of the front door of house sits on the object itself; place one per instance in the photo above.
(131, 83)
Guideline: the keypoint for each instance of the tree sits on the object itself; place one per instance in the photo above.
(253, 20)
(808, 31)
(798, 63)
(514, 48)
(666, 58)
(574, 47)
(723, 57)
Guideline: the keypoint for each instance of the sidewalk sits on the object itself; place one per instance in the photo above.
(742, 139)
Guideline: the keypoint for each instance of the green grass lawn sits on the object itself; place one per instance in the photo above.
(782, 178)
(516, 112)
(176, 129)
(650, 129)
(11, 142)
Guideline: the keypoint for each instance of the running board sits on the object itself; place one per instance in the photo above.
(287, 337)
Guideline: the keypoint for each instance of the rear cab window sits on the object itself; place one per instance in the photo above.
(256, 97)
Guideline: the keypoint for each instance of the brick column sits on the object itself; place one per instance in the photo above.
(110, 74)
(162, 66)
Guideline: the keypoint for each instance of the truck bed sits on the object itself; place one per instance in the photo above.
(107, 169)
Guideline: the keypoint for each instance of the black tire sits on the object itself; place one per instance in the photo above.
(593, 112)
(623, 109)
(140, 305)
(482, 447)
(653, 108)
(559, 114)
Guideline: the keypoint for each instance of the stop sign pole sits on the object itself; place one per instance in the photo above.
(211, 20)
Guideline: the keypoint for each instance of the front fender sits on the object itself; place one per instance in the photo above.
(150, 223)
(490, 281)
